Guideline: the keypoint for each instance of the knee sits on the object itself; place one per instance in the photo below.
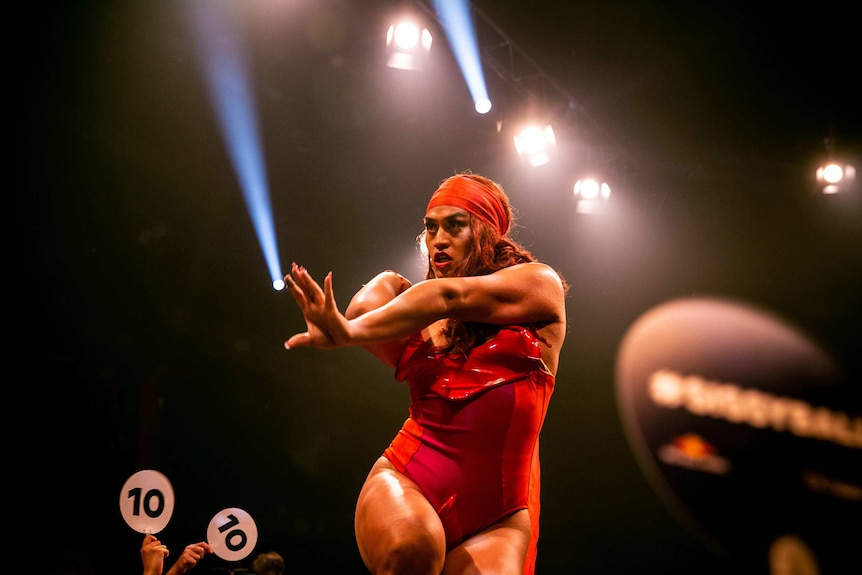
(414, 557)
(413, 551)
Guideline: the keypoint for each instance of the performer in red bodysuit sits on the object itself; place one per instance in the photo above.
(478, 342)
(471, 442)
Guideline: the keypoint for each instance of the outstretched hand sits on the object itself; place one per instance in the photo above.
(327, 327)
(190, 557)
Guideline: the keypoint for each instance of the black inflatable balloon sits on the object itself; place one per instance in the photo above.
(748, 431)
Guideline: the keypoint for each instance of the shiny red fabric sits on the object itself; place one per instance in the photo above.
(474, 197)
(471, 442)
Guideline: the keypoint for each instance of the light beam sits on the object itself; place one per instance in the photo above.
(458, 25)
(222, 63)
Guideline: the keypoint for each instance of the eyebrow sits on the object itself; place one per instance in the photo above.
(451, 217)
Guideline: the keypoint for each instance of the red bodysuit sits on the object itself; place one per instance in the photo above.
(471, 442)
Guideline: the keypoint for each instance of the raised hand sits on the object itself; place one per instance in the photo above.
(327, 327)
(153, 555)
(190, 557)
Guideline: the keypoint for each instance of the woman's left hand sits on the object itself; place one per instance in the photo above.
(327, 327)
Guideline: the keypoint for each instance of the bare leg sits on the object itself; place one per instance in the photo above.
(397, 530)
(499, 550)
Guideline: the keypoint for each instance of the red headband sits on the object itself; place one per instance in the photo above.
(468, 194)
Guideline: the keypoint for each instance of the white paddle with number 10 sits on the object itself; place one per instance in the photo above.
(147, 501)
(232, 534)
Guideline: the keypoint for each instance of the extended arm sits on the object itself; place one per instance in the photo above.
(525, 293)
(379, 291)
(190, 557)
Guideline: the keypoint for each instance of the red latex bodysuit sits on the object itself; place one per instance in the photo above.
(471, 442)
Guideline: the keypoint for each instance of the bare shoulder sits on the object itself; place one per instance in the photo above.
(534, 284)
(534, 272)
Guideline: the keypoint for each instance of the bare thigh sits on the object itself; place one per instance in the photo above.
(394, 522)
(499, 550)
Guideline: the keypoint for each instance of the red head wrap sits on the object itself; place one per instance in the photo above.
(474, 197)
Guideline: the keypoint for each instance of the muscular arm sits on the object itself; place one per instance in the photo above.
(525, 293)
(382, 288)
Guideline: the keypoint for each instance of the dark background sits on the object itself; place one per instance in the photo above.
(145, 330)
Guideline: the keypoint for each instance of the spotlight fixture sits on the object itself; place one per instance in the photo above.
(535, 144)
(483, 105)
(407, 45)
(591, 195)
(835, 177)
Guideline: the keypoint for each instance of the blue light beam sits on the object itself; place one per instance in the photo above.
(457, 20)
(225, 74)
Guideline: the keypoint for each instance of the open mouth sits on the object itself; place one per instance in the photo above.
(441, 260)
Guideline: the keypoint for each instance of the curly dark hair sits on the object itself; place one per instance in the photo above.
(270, 563)
(490, 251)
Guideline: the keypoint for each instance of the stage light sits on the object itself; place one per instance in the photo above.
(536, 144)
(407, 45)
(835, 177)
(457, 20)
(591, 195)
